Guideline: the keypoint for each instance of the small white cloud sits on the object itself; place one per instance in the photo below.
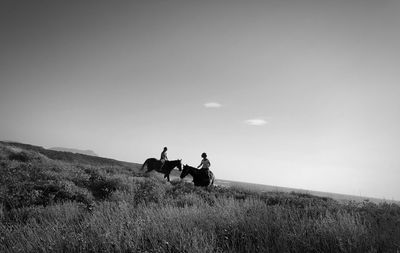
(212, 105)
(256, 122)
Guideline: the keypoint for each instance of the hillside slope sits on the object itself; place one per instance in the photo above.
(54, 201)
(32, 175)
(67, 156)
(82, 159)
(269, 188)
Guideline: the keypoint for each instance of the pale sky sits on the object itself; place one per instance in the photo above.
(294, 93)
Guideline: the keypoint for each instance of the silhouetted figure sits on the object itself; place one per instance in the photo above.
(163, 156)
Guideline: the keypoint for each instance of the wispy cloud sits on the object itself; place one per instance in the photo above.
(212, 105)
(255, 122)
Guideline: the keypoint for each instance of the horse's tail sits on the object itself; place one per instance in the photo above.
(144, 164)
(211, 178)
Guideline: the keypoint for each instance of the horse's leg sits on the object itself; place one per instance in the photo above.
(211, 175)
(167, 177)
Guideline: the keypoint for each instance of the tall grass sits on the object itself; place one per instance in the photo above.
(228, 226)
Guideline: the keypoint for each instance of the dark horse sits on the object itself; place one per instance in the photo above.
(200, 177)
(154, 164)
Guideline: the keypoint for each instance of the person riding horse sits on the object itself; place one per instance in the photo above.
(205, 163)
(163, 157)
(203, 177)
(155, 164)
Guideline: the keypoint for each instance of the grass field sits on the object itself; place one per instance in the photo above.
(62, 202)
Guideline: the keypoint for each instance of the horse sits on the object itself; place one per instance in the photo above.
(200, 177)
(154, 164)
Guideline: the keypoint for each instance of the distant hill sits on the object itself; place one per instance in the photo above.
(77, 151)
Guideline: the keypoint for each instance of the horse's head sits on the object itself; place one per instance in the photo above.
(185, 171)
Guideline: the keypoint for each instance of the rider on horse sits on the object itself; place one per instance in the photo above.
(205, 163)
(164, 156)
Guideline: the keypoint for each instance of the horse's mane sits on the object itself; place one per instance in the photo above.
(190, 167)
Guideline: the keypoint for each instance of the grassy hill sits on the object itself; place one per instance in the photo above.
(54, 201)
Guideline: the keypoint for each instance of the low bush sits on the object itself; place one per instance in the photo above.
(150, 190)
(20, 156)
(102, 187)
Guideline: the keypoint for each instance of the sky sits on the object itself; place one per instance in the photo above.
(294, 93)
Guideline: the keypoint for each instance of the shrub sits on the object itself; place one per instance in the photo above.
(44, 193)
(20, 156)
(149, 190)
(102, 187)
